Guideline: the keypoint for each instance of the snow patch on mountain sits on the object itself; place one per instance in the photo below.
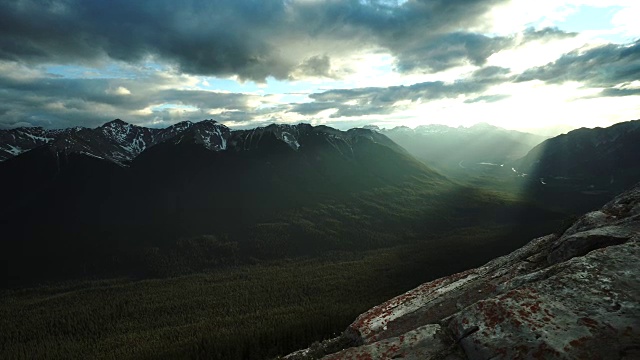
(91, 155)
(44, 139)
(14, 150)
(290, 140)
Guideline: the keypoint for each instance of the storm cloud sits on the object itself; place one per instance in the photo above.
(248, 38)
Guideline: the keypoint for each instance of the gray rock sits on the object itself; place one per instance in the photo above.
(422, 343)
(588, 309)
(590, 221)
(625, 205)
(582, 243)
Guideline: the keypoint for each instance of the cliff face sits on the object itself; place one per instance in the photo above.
(569, 296)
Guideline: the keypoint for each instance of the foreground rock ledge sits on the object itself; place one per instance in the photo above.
(569, 296)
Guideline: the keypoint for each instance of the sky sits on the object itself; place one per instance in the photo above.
(544, 66)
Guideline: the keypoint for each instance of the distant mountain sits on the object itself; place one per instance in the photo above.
(232, 153)
(298, 158)
(120, 142)
(600, 159)
(208, 133)
(116, 140)
(451, 149)
(581, 170)
(16, 141)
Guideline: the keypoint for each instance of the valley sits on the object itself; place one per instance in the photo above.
(250, 311)
(573, 172)
(240, 244)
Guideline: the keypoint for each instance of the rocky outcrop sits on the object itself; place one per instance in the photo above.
(574, 295)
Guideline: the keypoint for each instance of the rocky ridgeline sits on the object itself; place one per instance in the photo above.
(570, 296)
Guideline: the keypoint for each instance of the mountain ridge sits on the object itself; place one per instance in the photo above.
(587, 149)
(586, 166)
(121, 142)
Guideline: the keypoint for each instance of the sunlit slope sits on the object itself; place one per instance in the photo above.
(454, 149)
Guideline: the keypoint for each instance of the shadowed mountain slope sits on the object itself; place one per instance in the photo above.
(600, 157)
(583, 168)
(85, 196)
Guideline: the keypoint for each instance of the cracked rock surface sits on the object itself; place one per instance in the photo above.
(569, 296)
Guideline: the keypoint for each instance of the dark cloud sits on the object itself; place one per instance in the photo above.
(383, 100)
(620, 92)
(487, 98)
(423, 35)
(318, 66)
(443, 51)
(605, 66)
(450, 50)
(313, 108)
(545, 34)
(490, 72)
(248, 38)
(200, 36)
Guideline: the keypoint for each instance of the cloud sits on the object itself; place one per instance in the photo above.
(491, 72)
(604, 66)
(546, 34)
(54, 102)
(487, 98)
(315, 66)
(120, 90)
(313, 108)
(450, 50)
(148, 56)
(385, 100)
(249, 39)
(620, 92)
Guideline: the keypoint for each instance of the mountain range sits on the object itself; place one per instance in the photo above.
(116, 141)
(121, 185)
(585, 161)
(451, 149)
